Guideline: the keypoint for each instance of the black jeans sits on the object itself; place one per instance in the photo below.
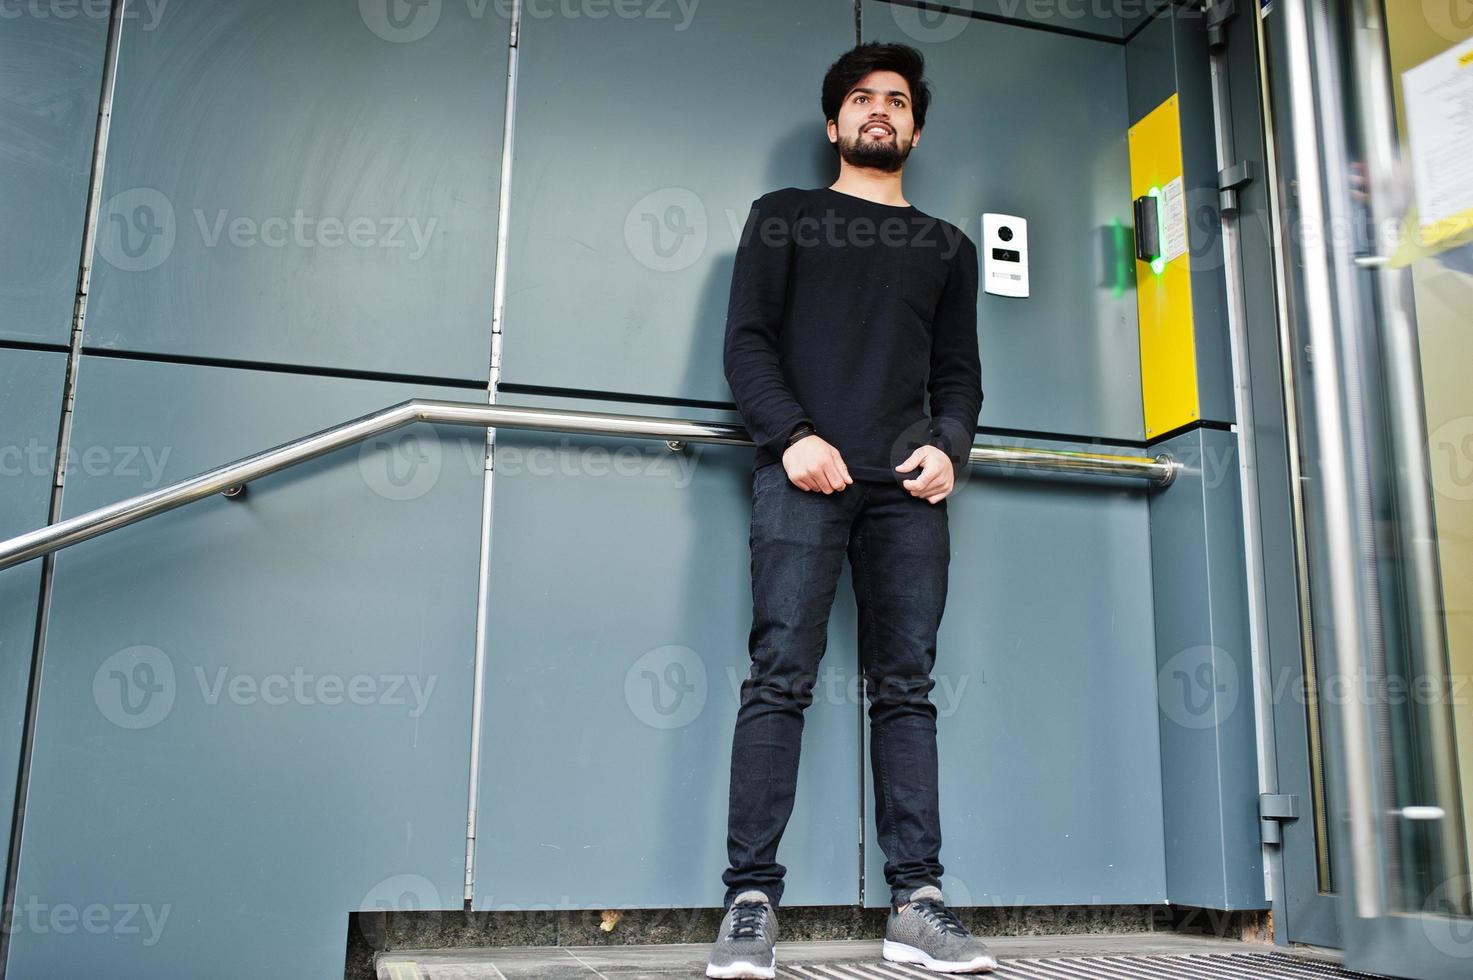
(899, 550)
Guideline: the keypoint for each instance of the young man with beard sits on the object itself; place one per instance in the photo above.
(848, 305)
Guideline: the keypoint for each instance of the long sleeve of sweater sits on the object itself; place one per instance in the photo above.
(759, 285)
(955, 383)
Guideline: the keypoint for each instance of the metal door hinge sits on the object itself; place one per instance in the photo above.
(1228, 182)
(1274, 809)
(1219, 13)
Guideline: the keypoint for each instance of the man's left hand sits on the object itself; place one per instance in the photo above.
(936, 477)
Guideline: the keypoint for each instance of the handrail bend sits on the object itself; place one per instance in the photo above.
(1160, 471)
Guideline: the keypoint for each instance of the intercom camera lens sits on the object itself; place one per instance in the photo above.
(1005, 233)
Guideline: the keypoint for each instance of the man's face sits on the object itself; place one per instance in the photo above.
(875, 128)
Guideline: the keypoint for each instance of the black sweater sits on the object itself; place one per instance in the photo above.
(842, 313)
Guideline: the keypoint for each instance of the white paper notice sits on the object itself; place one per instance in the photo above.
(1439, 104)
(1173, 220)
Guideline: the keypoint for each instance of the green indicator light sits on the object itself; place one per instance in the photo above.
(1158, 264)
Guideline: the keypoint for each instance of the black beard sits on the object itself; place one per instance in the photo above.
(886, 157)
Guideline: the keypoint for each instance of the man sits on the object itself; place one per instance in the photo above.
(847, 305)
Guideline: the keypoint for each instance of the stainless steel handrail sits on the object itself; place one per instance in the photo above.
(1161, 470)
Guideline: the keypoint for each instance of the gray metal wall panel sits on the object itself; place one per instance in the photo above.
(30, 414)
(1134, 13)
(185, 778)
(304, 182)
(626, 207)
(49, 87)
(1067, 359)
(901, 22)
(1208, 755)
(620, 606)
(1045, 695)
(1150, 67)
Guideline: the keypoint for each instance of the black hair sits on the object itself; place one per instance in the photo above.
(870, 56)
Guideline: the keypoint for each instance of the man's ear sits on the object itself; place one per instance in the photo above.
(832, 128)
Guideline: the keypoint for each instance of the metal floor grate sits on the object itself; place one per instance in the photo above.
(1205, 966)
(1039, 958)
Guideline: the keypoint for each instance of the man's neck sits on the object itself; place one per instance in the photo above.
(881, 188)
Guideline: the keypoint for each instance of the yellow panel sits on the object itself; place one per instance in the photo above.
(1168, 344)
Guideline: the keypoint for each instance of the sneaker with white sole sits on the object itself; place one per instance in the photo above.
(745, 945)
(929, 935)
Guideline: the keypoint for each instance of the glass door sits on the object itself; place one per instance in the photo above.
(1372, 112)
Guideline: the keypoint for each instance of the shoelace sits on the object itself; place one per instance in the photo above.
(747, 919)
(939, 915)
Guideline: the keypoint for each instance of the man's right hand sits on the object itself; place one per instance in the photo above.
(813, 464)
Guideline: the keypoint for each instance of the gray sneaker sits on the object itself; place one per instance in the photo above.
(744, 947)
(930, 935)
